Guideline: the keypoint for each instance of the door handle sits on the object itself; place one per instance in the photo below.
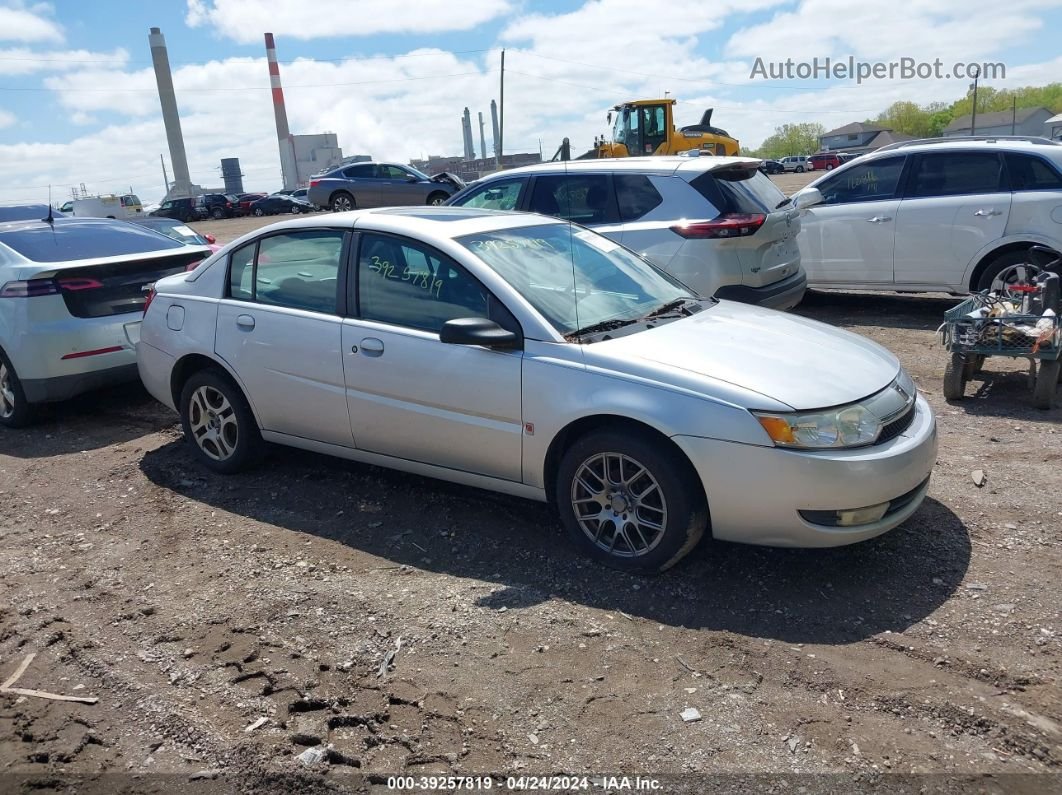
(371, 346)
(879, 219)
(987, 213)
(245, 321)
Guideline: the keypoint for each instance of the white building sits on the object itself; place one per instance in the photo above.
(314, 154)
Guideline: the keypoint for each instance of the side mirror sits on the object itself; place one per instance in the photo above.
(477, 331)
(808, 197)
(411, 178)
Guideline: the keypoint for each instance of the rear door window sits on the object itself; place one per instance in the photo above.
(956, 174)
(1031, 173)
(873, 181)
(298, 270)
(360, 171)
(502, 194)
(635, 195)
(582, 198)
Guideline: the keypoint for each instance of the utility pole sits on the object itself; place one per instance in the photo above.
(165, 178)
(1013, 114)
(501, 112)
(973, 116)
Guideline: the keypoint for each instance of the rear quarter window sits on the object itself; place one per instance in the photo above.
(739, 191)
(1031, 173)
(635, 195)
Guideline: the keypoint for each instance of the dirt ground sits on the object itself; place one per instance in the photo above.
(403, 625)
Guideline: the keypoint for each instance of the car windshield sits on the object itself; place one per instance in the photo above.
(417, 173)
(577, 279)
(178, 232)
(64, 242)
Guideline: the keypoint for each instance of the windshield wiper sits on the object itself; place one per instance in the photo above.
(671, 307)
(604, 325)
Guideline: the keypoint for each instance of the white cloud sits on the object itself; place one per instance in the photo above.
(19, 22)
(6, 119)
(24, 61)
(245, 20)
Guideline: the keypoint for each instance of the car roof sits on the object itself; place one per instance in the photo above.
(439, 221)
(966, 143)
(670, 164)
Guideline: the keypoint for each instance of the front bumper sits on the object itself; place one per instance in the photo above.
(783, 294)
(755, 493)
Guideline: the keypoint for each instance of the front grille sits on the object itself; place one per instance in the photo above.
(897, 426)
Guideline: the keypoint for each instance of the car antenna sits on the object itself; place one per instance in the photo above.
(50, 220)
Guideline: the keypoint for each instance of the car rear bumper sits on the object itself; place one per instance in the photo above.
(64, 387)
(156, 369)
(783, 294)
(756, 494)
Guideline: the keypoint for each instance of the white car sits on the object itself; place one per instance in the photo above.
(943, 215)
(71, 295)
(797, 163)
(717, 224)
(529, 356)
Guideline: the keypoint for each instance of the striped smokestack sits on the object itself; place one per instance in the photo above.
(287, 147)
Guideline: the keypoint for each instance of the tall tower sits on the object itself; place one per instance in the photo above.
(482, 140)
(470, 148)
(182, 182)
(287, 147)
(494, 122)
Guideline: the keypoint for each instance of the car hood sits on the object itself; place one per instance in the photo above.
(801, 363)
(446, 178)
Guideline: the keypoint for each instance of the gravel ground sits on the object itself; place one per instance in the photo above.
(403, 625)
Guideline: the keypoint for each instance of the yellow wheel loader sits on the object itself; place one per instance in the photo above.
(647, 127)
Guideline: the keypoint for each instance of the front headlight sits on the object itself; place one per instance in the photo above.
(846, 426)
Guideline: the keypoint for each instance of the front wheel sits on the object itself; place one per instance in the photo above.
(15, 410)
(955, 377)
(217, 213)
(295, 211)
(629, 501)
(829, 167)
(800, 169)
(218, 422)
(1046, 385)
(258, 211)
(437, 198)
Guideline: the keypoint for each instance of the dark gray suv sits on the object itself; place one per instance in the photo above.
(364, 185)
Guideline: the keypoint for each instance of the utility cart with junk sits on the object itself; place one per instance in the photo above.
(1018, 317)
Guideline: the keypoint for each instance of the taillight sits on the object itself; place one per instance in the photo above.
(30, 288)
(210, 239)
(726, 225)
(150, 297)
(314, 183)
(73, 284)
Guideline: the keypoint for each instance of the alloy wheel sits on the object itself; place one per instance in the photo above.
(438, 200)
(619, 505)
(342, 204)
(213, 423)
(7, 393)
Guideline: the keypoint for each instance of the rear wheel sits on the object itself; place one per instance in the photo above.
(15, 410)
(829, 167)
(990, 276)
(800, 169)
(1047, 384)
(217, 213)
(218, 422)
(630, 502)
(955, 377)
(342, 202)
(259, 211)
(437, 198)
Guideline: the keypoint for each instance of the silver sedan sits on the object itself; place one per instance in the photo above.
(537, 358)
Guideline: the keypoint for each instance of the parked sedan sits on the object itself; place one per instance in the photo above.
(379, 185)
(522, 354)
(71, 294)
(280, 203)
(179, 231)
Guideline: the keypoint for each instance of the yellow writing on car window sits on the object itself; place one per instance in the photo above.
(528, 243)
(425, 280)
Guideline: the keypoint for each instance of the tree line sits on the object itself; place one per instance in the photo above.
(910, 118)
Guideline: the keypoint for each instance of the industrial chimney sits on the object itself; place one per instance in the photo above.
(482, 140)
(470, 149)
(288, 168)
(182, 182)
(494, 122)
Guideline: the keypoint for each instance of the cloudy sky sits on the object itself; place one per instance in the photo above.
(78, 102)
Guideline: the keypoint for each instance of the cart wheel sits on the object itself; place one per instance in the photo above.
(1047, 384)
(955, 377)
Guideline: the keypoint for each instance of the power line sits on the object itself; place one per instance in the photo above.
(301, 59)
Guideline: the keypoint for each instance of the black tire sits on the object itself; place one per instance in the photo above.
(15, 410)
(259, 212)
(217, 213)
(955, 377)
(997, 266)
(342, 202)
(437, 198)
(829, 166)
(232, 448)
(295, 211)
(672, 484)
(800, 169)
(1047, 384)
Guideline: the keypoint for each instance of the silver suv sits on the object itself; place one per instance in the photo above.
(715, 223)
(797, 163)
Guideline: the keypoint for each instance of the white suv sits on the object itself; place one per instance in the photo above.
(946, 214)
(715, 223)
(798, 163)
